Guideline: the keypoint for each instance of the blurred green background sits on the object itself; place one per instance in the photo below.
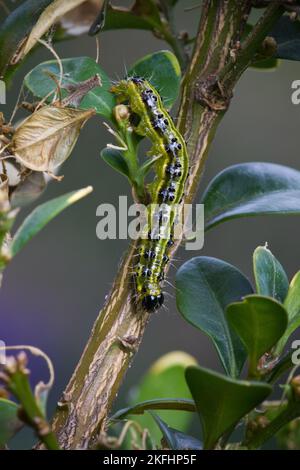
(53, 291)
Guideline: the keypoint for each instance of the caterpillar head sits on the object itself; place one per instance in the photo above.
(153, 300)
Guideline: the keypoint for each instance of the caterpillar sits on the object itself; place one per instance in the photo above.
(167, 189)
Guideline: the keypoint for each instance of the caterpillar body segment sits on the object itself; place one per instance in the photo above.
(166, 191)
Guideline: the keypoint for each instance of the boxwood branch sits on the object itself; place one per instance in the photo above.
(288, 414)
(119, 329)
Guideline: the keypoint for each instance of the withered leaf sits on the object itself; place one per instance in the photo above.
(50, 16)
(46, 138)
(78, 21)
(29, 189)
(4, 199)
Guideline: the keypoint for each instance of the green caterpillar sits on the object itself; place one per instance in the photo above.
(167, 189)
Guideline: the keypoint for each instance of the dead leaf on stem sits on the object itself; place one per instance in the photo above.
(4, 199)
(46, 138)
(79, 20)
(49, 17)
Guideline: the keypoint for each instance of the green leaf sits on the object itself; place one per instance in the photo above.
(145, 168)
(222, 401)
(172, 2)
(292, 306)
(266, 64)
(76, 70)
(260, 322)
(270, 277)
(165, 379)
(251, 189)
(180, 404)
(142, 15)
(115, 159)
(17, 27)
(42, 215)
(204, 288)
(162, 69)
(9, 422)
(175, 439)
(287, 35)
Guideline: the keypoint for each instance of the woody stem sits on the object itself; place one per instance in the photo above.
(119, 329)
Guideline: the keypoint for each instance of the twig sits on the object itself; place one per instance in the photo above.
(15, 377)
(104, 363)
(61, 70)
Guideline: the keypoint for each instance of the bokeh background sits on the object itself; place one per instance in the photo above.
(52, 292)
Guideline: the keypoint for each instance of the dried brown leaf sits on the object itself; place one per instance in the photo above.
(4, 199)
(28, 189)
(46, 138)
(50, 16)
(79, 20)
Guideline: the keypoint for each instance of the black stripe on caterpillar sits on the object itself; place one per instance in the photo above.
(167, 189)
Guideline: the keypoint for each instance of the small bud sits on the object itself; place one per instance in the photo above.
(129, 343)
(4, 378)
(183, 36)
(16, 364)
(4, 194)
(11, 366)
(121, 113)
(4, 393)
(252, 426)
(262, 421)
(269, 46)
(42, 426)
(22, 361)
(295, 384)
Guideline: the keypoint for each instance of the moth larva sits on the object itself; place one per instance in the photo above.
(167, 189)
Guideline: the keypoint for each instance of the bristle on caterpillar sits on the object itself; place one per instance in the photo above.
(167, 189)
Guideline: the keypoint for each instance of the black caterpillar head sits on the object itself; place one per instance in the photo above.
(152, 302)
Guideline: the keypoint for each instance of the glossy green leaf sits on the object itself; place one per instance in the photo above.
(16, 28)
(222, 401)
(266, 64)
(250, 189)
(42, 215)
(204, 288)
(292, 306)
(172, 2)
(174, 439)
(162, 69)
(270, 277)
(145, 168)
(141, 15)
(287, 35)
(179, 404)
(165, 379)
(101, 19)
(260, 322)
(76, 70)
(9, 422)
(115, 159)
